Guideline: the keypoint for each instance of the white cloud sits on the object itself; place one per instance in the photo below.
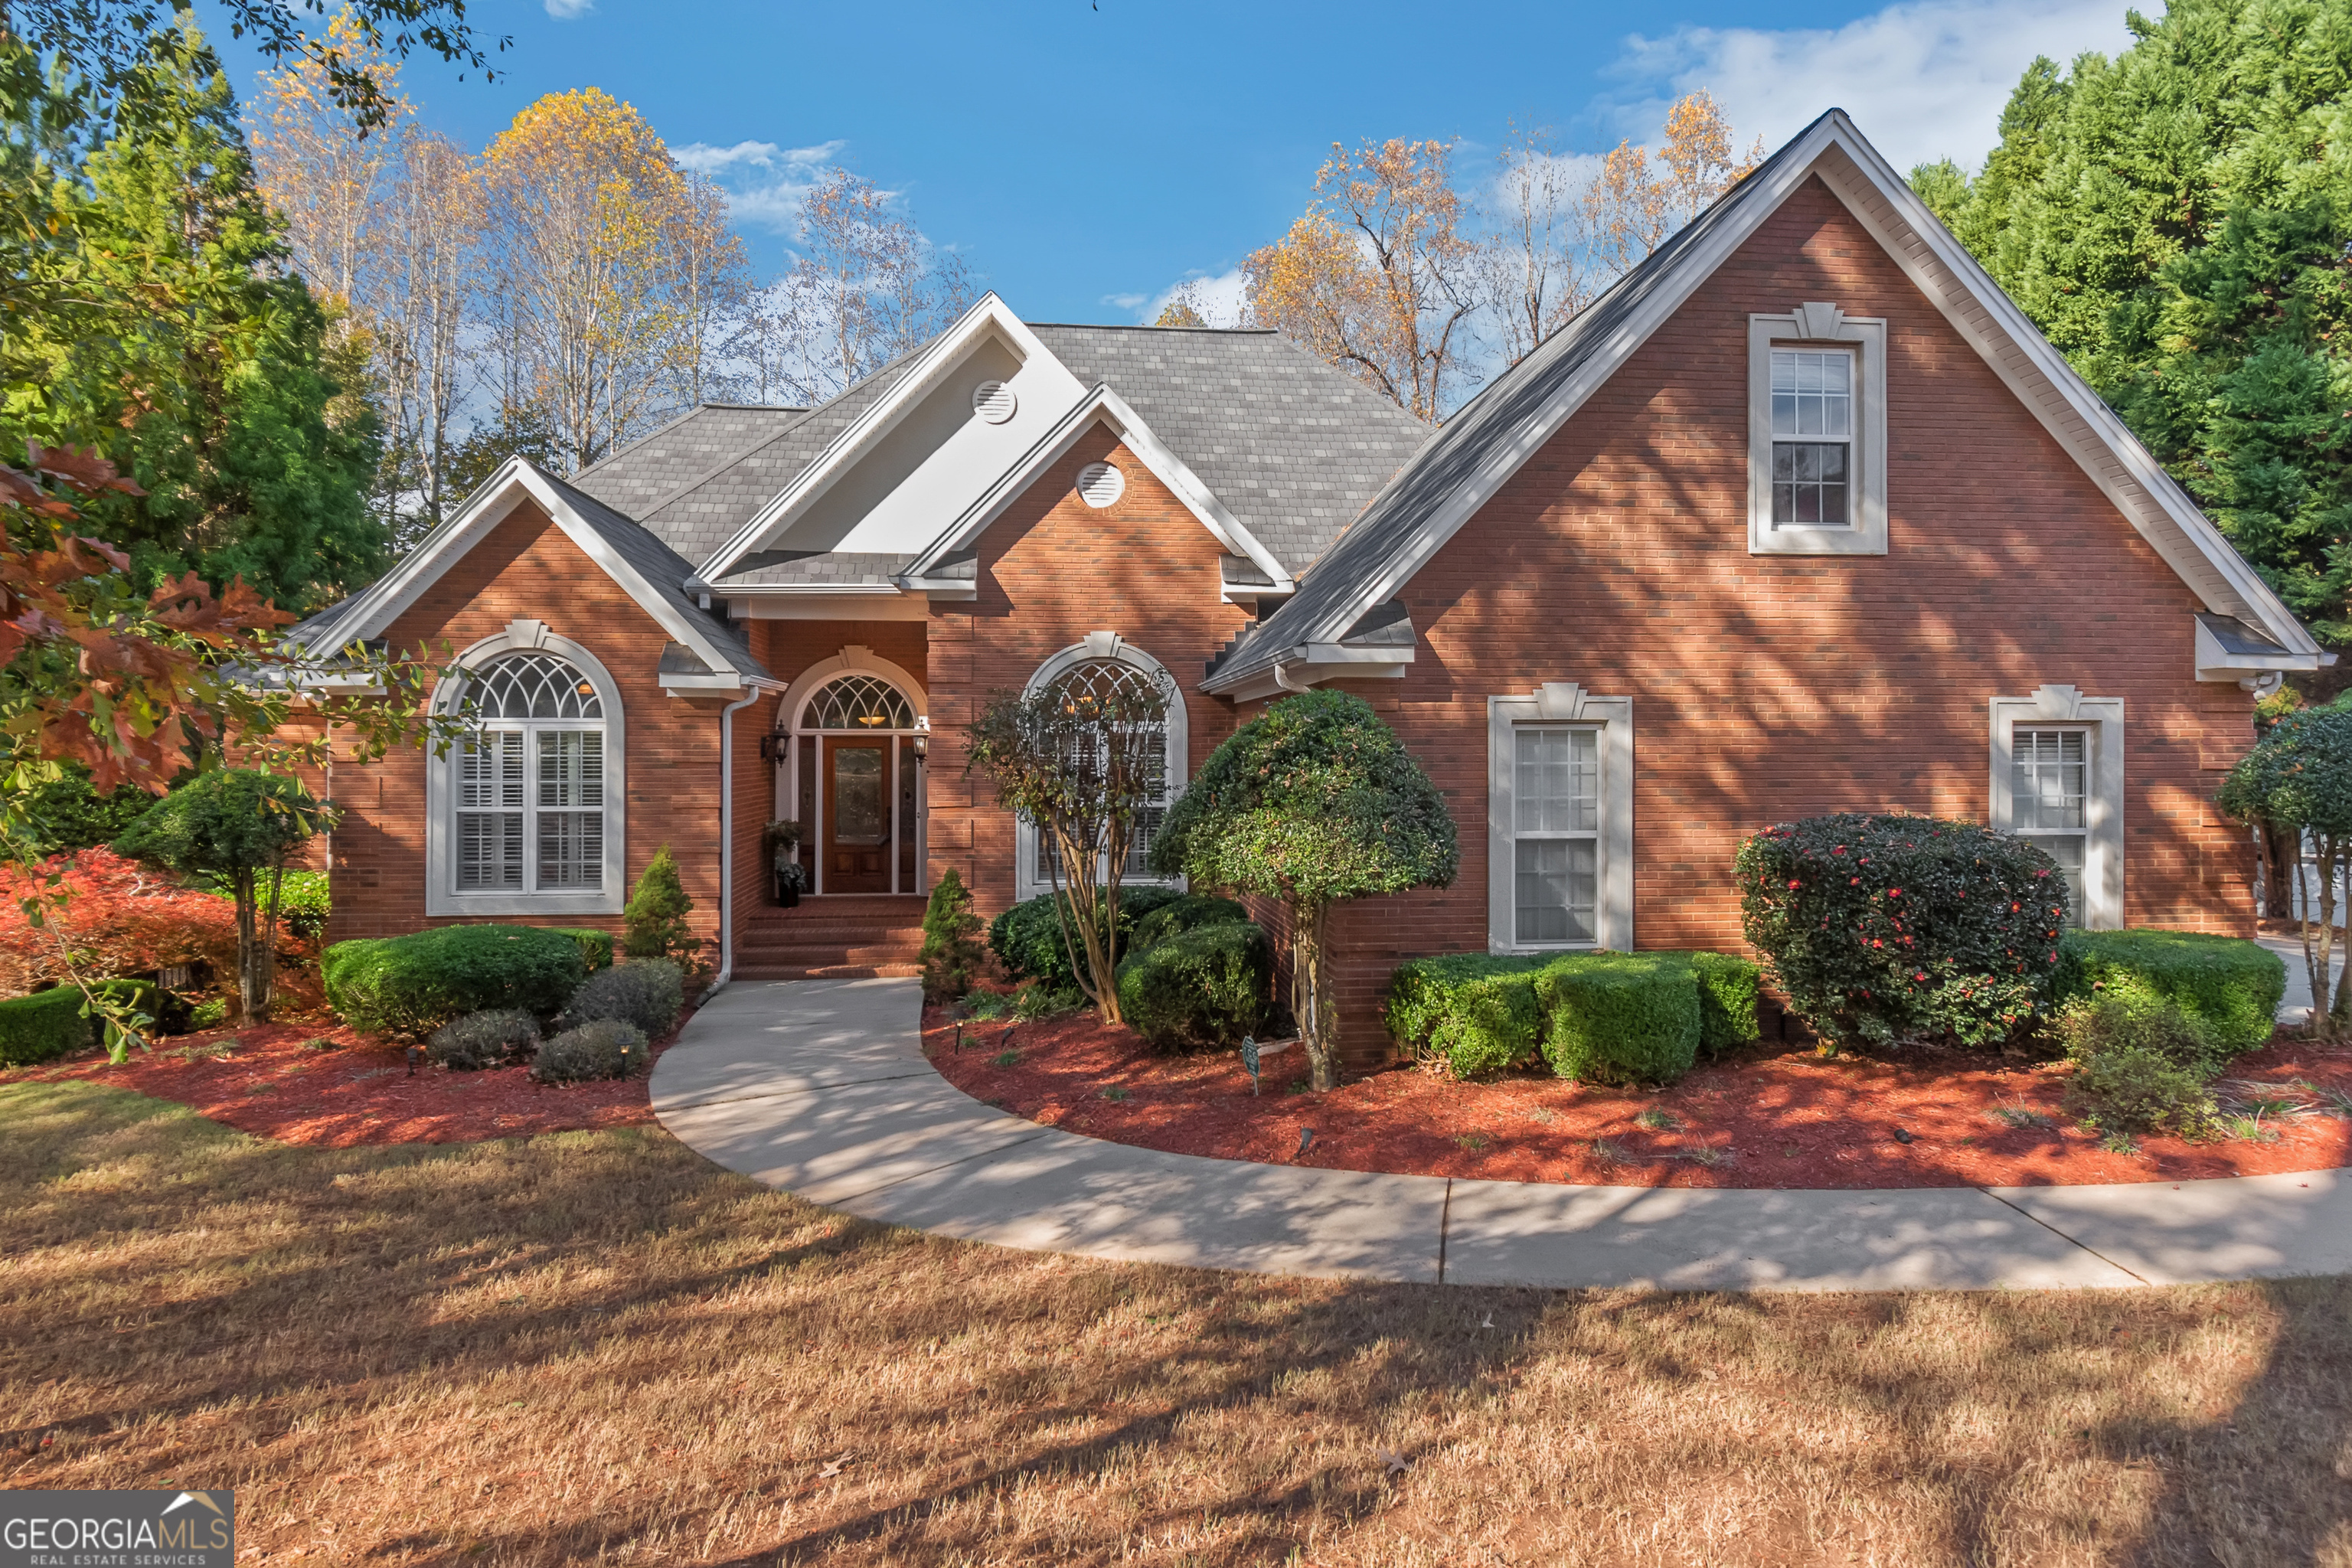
(1221, 298)
(704, 159)
(764, 183)
(569, 10)
(1924, 80)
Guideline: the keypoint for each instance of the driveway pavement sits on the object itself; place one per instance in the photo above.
(820, 1088)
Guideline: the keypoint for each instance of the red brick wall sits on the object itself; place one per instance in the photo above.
(528, 568)
(1052, 570)
(1768, 687)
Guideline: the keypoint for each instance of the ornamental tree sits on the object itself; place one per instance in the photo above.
(2298, 781)
(1314, 801)
(1080, 760)
(1882, 929)
(241, 827)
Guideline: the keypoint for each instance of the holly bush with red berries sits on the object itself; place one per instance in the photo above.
(1886, 929)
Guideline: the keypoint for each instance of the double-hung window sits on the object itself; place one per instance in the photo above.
(2048, 797)
(530, 779)
(1812, 437)
(1556, 834)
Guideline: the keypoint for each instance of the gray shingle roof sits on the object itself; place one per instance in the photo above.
(1293, 448)
(842, 568)
(699, 443)
(1510, 409)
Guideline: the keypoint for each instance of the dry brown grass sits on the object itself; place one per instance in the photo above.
(595, 1346)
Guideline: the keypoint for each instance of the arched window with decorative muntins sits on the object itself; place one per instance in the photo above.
(529, 795)
(1103, 667)
(857, 704)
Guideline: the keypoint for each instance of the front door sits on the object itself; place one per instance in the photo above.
(857, 816)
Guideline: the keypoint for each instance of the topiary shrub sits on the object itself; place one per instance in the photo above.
(1206, 986)
(595, 946)
(2140, 1065)
(2229, 987)
(1880, 930)
(1190, 912)
(410, 985)
(649, 993)
(43, 1026)
(952, 952)
(606, 1048)
(1027, 937)
(1619, 1017)
(481, 1040)
(1476, 1010)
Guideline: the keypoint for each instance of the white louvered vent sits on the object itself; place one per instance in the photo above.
(1099, 484)
(993, 401)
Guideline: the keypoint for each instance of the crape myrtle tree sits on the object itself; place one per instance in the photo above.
(241, 827)
(1314, 801)
(2298, 780)
(1080, 764)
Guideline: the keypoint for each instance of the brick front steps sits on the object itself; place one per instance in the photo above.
(842, 936)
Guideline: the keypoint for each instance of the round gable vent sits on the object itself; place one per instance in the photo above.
(1099, 484)
(993, 401)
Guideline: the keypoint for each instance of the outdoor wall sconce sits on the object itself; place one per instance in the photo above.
(922, 736)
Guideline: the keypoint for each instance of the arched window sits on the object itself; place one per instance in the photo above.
(1100, 666)
(526, 804)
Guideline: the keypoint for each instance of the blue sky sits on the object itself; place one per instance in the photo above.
(1085, 161)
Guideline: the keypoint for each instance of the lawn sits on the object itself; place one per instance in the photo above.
(595, 1345)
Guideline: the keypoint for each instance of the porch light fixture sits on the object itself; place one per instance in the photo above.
(922, 736)
(872, 720)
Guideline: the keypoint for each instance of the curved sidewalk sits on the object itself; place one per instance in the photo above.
(820, 1088)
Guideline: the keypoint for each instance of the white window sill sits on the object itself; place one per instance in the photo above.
(582, 903)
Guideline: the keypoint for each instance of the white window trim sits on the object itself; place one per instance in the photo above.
(1811, 324)
(1562, 702)
(2102, 717)
(441, 895)
(1101, 646)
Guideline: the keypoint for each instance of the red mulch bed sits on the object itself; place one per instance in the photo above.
(274, 1085)
(1774, 1116)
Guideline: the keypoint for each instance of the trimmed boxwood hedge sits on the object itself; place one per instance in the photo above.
(2231, 988)
(410, 985)
(1484, 1013)
(1027, 937)
(1206, 986)
(1190, 912)
(44, 1027)
(1620, 1018)
(595, 946)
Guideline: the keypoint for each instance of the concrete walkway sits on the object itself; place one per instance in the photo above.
(820, 1088)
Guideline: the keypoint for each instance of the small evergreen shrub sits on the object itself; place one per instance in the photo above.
(654, 920)
(481, 1040)
(2140, 1066)
(606, 1048)
(1886, 928)
(595, 946)
(1728, 988)
(1202, 987)
(952, 952)
(1619, 1017)
(1027, 937)
(410, 985)
(43, 1026)
(1478, 1010)
(304, 902)
(2229, 986)
(648, 993)
(1190, 912)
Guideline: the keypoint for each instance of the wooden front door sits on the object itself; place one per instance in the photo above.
(858, 799)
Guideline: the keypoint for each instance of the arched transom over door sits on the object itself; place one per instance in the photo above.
(852, 779)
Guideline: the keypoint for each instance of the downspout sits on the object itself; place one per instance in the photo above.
(727, 842)
(1282, 675)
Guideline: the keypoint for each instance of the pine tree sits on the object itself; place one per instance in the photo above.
(653, 923)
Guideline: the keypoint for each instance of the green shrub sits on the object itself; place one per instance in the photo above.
(1727, 987)
(68, 814)
(606, 1048)
(654, 920)
(1478, 1010)
(2140, 1065)
(647, 992)
(952, 952)
(1619, 1017)
(410, 985)
(2231, 988)
(208, 1015)
(1190, 912)
(1027, 937)
(1038, 1000)
(1886, 928)
(304, 902)
(481, 1040)
(595, 946)
(44, 1027)
(1206, 986)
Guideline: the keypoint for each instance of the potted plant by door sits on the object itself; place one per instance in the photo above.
(784, 840)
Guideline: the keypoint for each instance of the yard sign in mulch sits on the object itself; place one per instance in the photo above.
(1770, 1118)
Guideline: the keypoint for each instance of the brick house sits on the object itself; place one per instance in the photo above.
(1803, 515)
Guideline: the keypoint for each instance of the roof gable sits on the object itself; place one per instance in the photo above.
(1492, 436)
